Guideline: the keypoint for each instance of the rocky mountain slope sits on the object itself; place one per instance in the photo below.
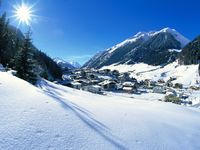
(153, 48)
(191, 53)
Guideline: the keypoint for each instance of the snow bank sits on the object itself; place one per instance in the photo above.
(57, 117)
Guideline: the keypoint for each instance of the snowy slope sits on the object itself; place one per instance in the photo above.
(56, 117)
(187, 75)
(139, 35)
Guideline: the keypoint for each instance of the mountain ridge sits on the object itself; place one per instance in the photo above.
(65, 64)
(141, 47)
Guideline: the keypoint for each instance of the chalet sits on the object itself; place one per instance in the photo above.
(169, 84)
(130, 86)
(159, 90)
(173, 78)
(161, 81)
(108, 85)
(147, 83)
(72, 76)
(104, 77)
(83, 82)
(125, 77)
(115, 73)
(92, 76)
(184, 96)
(93, 89)
(95, 82)
(178, 86)
(66, 77)
(65, 83)
(195, 88)
(171, 91)
(75, 85)
(141, 90)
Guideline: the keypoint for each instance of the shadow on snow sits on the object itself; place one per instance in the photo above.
(83, 114)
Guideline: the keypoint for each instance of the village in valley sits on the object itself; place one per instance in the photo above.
(107, 81)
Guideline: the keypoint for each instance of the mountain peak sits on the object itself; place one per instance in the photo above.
(168, 29)
(148, 47)
(139, 34)
(64, 64)
(179, 37)
(75, 64)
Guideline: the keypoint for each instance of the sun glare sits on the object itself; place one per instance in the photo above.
(23, 13)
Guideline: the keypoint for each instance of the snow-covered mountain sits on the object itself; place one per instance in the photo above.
(75, 64)
(154, 48)
(58, 117)
(67, 65)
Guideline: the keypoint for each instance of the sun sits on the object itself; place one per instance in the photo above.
(23, 13)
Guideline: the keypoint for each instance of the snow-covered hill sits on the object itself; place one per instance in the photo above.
(56, 117)
(187, 75)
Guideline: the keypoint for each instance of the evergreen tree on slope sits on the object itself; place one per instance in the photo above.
(25, 63)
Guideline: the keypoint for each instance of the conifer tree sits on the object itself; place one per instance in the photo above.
(4, 40)
(26, 64)
(16, 50)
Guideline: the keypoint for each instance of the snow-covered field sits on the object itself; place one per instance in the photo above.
(187, 75)
(56, 117)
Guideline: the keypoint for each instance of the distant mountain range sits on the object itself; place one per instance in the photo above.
(67, 65)
(75, 64)
(153, 48)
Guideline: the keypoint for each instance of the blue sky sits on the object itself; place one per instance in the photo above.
(77, 29)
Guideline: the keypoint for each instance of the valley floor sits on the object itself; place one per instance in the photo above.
(55, 117)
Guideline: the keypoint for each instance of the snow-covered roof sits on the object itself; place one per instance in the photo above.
(96, 86)
(106, 82)
(75, 83)
(128, 84)
(127, 88)
(104, 77)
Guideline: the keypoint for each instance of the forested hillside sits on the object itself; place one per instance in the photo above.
(17, 49)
